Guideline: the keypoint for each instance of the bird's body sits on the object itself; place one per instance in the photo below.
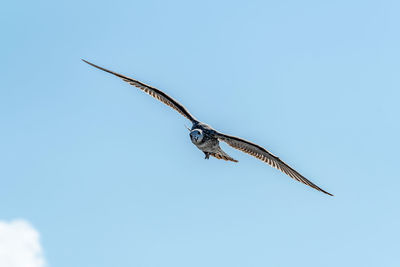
(207, 139)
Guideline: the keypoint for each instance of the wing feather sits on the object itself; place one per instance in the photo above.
(154, 92)
(264, 155)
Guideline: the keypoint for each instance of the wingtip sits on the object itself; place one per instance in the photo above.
(85, 61)
(103, 69)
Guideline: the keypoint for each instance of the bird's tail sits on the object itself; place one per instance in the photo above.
(220, 154)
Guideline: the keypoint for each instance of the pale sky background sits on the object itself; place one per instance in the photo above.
(108, 176)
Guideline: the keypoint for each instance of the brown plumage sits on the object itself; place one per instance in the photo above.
(264, 155)
(207, 139)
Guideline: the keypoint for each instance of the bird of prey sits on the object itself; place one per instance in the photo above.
(207, 139)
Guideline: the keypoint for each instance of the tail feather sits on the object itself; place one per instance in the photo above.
(220, 154)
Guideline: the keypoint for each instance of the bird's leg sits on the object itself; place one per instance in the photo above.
(207, 155)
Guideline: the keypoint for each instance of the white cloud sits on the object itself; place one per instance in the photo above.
(19, 245)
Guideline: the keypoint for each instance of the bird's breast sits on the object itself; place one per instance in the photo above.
(208, 144)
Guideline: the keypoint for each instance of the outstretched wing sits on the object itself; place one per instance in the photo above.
(154, 92)
(262, 154)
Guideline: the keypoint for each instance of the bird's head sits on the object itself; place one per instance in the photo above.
(196, 135)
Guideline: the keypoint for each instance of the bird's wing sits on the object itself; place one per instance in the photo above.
(154, 92)
(262, 154)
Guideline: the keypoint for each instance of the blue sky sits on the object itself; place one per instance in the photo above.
(108, 176)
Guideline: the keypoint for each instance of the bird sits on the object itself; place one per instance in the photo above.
(207, 139)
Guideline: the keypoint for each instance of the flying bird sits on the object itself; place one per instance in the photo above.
(207, 139)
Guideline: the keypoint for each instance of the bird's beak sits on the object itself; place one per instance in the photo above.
(187, 127)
